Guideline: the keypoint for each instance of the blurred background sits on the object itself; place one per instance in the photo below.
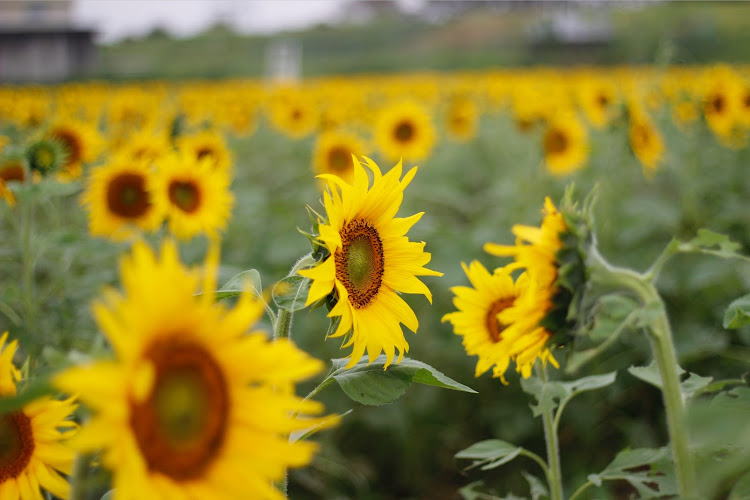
(471, 191)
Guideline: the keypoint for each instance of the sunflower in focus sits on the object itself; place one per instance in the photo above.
(195, 404)
(525, 335)
(119, 199)
(333, 154)
(81, 143)
(645, 139)
(370, 262)
(405, 130)
(565, 143)
(207, 145)
(193, 195)
(477, 317)
(32, 455)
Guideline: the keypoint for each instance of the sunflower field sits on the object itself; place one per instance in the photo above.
(378, 286)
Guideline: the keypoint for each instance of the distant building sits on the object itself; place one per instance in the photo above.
(39, 43)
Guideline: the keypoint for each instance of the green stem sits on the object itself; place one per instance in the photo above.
(580, 490)
(536, 458)
(554, 475)
(663, 349)
(27, 281)
(80, 468)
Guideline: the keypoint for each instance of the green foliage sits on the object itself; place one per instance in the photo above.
(291, 292)
(550, 395)
(246, 281)
(738, 313)
(490, 453)
(649, 471)
(373, 384)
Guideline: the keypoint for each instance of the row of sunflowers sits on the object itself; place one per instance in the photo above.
(189, 399)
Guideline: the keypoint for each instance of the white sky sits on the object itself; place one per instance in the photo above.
(115, 19)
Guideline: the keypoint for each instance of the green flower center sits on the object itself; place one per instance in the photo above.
(180, 427)
(127, 196)
(16, 444)
(359, 262)
(185, 195)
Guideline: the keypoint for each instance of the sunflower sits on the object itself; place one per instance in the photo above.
(293, 113)
(6, 194)
(119, 199)
(46, 155)
(32, 455)
(208, 145)
(477, 317)
(194, 405)
(333, 154)
(370, 260)
(462, 119)
(535, 251)
(405, 130)
(645, 139)
(597, 98)
(81, 143)
(149, 145)
(194, 195)
(13, 168)
(565, 144)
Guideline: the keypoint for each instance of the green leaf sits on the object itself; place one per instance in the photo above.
(110, 495)
(291, 292)
(689, 387)
(371, 384)
(707, 240)
(246, 281)
(648, 470)
(471, 492)
(741, 489)
(551, 394)
(489, 454)
(738, 313)
(537, 488)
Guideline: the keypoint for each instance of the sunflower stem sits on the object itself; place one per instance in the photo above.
(554, 474)
(28, 261)
(654, 317)
(80, 468)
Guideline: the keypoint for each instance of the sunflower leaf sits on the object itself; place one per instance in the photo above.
(551, 394)
(649, 471)
(243, 282)
(738, 313)
(537, 488)
(291, 292)
(716, 244)
(372, 384)
(489, 454)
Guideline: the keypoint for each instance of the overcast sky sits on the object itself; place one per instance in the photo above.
(115, 19)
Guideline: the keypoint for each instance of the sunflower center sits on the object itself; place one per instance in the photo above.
(494, 326)
(602, 100)
(16, 444)
(180, 427)
(359, 262)
(555, 142)
(404, 131)
(340, 159)
(72, 144)
(718, 104)
(185, 195)
(746, 100)
(127, 196)
(642, 136)
(12, 172)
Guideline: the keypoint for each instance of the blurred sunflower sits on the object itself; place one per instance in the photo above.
(13, 168)
(32, 455)
(46, 156)
(333, 154)
(193, 195)
(148, 145)
(477, 317)
(565, 143)
(645, 139)
(195, 404)
(293, 113)
(462, 119)
(207, 145)
(6, 195)
(81, 143)
(119, 199)
(527, 330)
(405, 130)
(598, 100)
(722, 104)
(370, 262)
